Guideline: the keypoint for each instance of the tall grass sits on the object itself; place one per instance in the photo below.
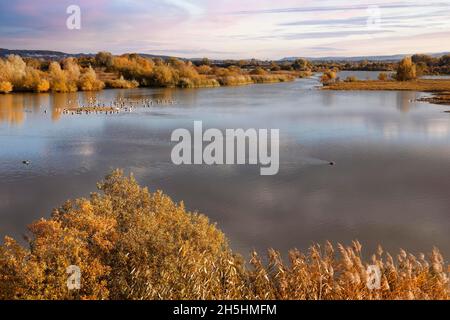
(338, 272)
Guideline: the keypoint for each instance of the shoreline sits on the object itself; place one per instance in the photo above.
(440, 88)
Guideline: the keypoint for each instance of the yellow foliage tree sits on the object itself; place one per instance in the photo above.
(43, 86)
(406, 70)
(89, 82)
(128, 243)
(383, 76)
(72, 71)
(328, 76)
(5, 87)
(17, 69)
(33, 81)
(163, 76)
(58, 78)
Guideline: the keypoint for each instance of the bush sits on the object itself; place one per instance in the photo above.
(89, 82)
(121, 83)
(204, 69)
(328, 76)
(58, 78)
(104, 59)
(301, 65)
(235, 80)
(259, 71)
(163, 76)
(383, 76)
(5, 87)
(129, 244)
(351, 79)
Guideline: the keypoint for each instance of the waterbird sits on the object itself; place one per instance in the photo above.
(27, 162)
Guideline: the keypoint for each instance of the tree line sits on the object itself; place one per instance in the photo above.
(125, 71)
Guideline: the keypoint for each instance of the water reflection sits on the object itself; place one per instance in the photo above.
(405, 99)
(390, 183)
(12, 109)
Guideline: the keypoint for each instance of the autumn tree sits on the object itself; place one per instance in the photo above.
(383, 76)
(34, 81)
(58, 78)
(129, 243)
(5, 87)
(12, 72)
(328, 76)
(89, 82)
(104, 59)
(301, 65)
(163, 76)
(406, 70)
(274, 66)
(15, 69)
(204, 69)
(73, 72)
(205, 62)
(259, 71)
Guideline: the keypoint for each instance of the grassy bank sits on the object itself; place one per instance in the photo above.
(439, 87)
(130, 243)
(426, 85)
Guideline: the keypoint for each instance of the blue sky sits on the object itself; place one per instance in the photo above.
(230, 28)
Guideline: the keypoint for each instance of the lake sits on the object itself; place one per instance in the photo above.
(390, 184)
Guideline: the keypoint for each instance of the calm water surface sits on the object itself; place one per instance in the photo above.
(390, 184)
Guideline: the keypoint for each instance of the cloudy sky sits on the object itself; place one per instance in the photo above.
(230, 28)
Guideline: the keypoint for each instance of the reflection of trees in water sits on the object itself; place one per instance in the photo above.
(328, 98)
(404, 99)
(60, 101)
(163, 94)
(14, 106)
(88, 96)
(12, 109)
(36, 101)
(187, 96)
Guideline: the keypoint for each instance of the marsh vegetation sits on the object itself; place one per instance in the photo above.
(130, 243)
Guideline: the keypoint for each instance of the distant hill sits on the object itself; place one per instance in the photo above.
(393, 58)
(48, 54)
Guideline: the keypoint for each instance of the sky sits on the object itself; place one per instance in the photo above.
(230, 29)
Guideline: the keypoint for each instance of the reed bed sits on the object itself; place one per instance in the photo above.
(338, 272)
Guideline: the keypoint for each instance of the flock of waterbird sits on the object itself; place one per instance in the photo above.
(95, 106)
(116, 106)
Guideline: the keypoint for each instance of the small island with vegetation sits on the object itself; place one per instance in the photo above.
(407, 77)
